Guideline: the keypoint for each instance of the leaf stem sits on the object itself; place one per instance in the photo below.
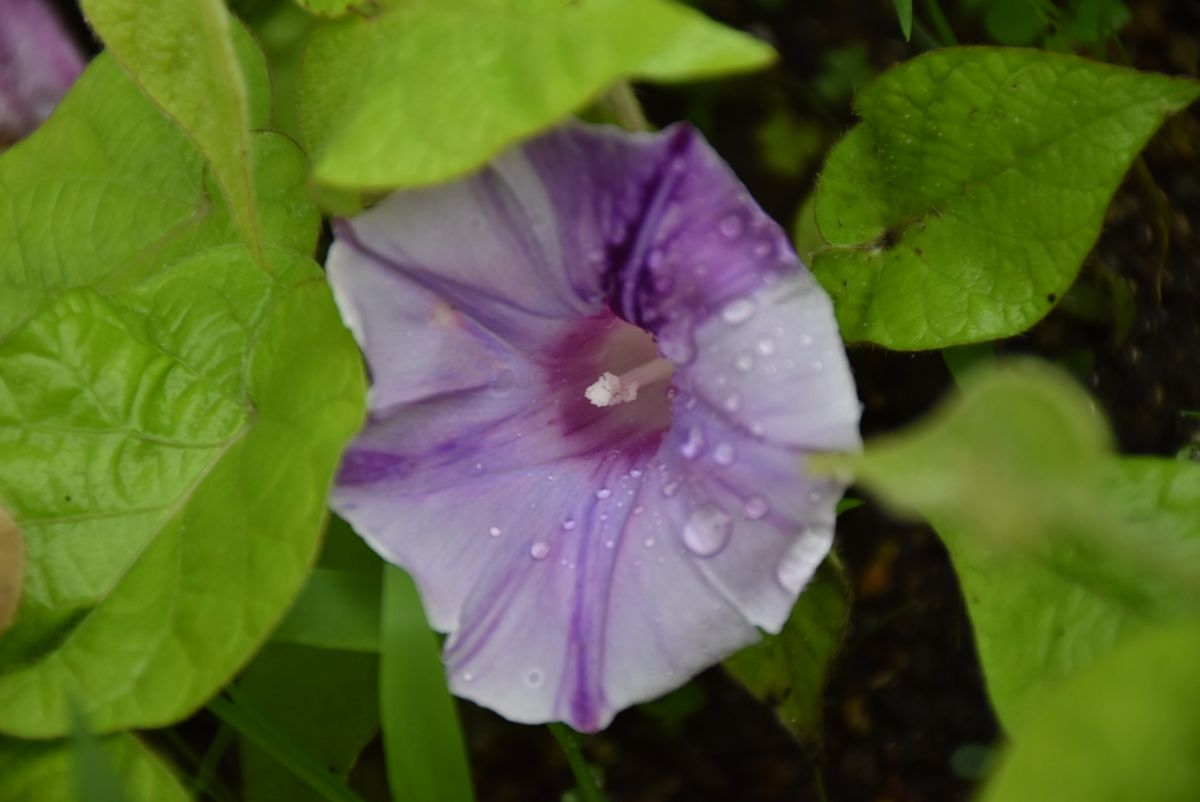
(568, 739)
(623, 105)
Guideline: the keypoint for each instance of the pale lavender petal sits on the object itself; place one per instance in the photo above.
(38, 64)
(585, 558)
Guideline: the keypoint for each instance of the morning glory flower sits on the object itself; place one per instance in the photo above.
(38, 64)
(597, 370)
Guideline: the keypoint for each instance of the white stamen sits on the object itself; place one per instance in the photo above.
(611, 389)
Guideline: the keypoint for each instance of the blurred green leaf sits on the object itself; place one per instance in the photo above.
(964, 203)
(1128, 727)
(422, 91)
(1062, 549)
(238, 711)
(788, 670)
(327, 701)
(45, 771)
(183, 56)
(170, 433)
(1018, 22)
(426, 758)
(904, 14)
(787, 144)
(335, 610)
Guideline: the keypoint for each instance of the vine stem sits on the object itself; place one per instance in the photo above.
(568, 739)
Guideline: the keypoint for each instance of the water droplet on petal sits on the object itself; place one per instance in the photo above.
(569, 524)
(638, 510)
(693, 445)
(468, 676)
(738, 311)
(744, 362)
(806, 340)
(723, 454)
(731, 225)
(756, 508)
(649, 543)
(603, 492)
(494, 531)
(677, 348)
(635, 473)
(762, 249)
(504, 382)
(766, 346)
(540, 550)
(535, 678)
(707, 530)
(670, 488)
(733, 403)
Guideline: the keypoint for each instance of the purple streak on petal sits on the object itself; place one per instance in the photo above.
(38, 64)
(584, 558)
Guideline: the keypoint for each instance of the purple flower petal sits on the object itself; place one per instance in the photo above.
(38, 64)
(582, 557)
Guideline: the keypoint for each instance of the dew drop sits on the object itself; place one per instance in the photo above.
(756, 508)
(693, 445)
(478, 466)
(731, 225)
(733, 403)
(654, 259)
(707, 530)
(738, 311)
(608, 544)
(596, 255)
(806, 340)
(540, 550)
(723, 454)
(504, 382)
(670, 488)
(494, 531)
(569, 524)
(817, 364)
(635, 473)
(535, 678)
(603, 493)
(762, 249)
(744, 363)
(766, 346)
(468, 676)
(638, 510)
(648, 543)
(678, 348)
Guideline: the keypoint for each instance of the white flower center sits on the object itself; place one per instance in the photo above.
(611, 389)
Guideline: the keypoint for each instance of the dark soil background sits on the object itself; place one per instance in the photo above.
(906, 715)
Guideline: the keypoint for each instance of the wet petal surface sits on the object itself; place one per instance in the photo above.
(585, 557)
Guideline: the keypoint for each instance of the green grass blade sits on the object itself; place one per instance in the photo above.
(904, 12)
(235, 712)
(426, 759)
